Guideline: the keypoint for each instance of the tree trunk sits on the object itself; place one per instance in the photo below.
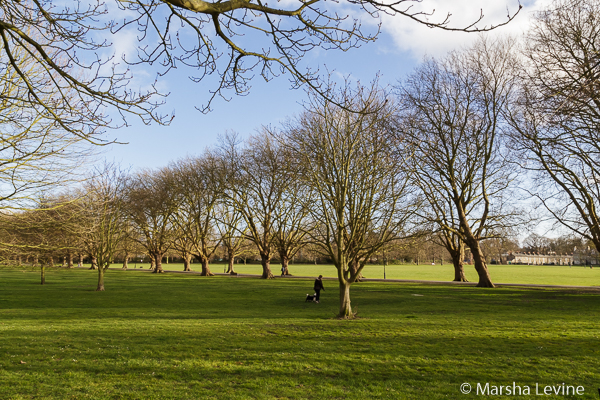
(80, 262)
(230, 267)
(265, 261)
(100, 287)
(345, 307)
(152, 263)
(51, 261)
(70, 260)
(353, 267)
(205, 267)
(158, 263)
(186, 261)
(126, 261)
(43, 273)
(458, 255)
(480, 265)
(285, 262)
(64, 264)
(94, 263)
(459, 271)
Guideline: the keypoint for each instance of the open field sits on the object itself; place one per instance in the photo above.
(177, 336)
(532, 274)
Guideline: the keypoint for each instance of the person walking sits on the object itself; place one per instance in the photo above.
(318, 287)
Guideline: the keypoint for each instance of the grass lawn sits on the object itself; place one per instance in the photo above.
(531, 274)
(176, 336)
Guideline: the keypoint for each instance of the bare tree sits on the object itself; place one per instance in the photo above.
(233, 233)
(557, 122)
(361, 193)
(185, 247)
(439, 213)
(103, 213)
(291, 221)
(197, 189)
(128, 246)
(536, 243)
(203, 35)
(150, 206)
(255, 186)
(566, 244)
(292, 227)
(453, 113)
(36, 152)
(63, 50)
(43, 233)
(453, 243)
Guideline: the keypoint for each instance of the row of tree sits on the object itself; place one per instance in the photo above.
(361, 169)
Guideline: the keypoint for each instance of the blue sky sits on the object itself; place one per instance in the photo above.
(400, 46)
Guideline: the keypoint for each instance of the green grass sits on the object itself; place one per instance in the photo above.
(176, 336)
(529, 274)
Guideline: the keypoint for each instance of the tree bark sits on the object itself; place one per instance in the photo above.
(70, 260)
(230, 267)
(64, 264)
(345, 307)
(80, 262)
(205, 267)
(354, 265)
(94, 263)
(265, 261)
(100, 287)
(285, 262)
(480, 265)
(158, 263)
(152, 262)
(43, 274)
(459, 271)
(458, 255)
(126, 261)
(186, 262)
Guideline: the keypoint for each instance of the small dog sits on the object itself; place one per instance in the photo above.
(311, 297)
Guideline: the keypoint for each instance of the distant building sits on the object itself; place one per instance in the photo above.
(539, 259)
(586, 257)
(578, 257)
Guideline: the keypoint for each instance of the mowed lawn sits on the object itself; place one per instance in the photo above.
(178, 336)
(528, 274)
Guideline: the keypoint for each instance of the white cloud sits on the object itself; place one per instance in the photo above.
(420, 40)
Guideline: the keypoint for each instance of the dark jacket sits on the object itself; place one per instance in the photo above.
(318, 285)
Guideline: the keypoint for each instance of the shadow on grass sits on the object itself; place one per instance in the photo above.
(300, 358)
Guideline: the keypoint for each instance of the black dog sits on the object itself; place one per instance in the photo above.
(311, 297)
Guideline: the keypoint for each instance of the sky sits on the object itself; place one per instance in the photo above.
(401, 45)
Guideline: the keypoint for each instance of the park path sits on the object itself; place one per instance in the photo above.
(525, 285)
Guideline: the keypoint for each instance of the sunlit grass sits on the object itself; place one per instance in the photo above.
(533, 274)
(190, 337)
